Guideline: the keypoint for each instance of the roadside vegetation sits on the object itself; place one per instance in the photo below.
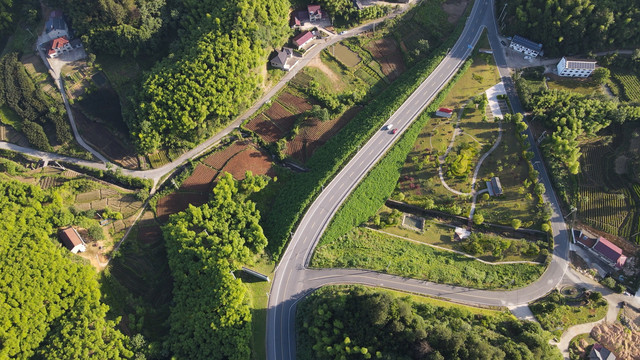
(557, 312)
(355, 322)
(363, 248)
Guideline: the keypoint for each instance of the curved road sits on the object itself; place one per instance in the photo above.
(293, 280)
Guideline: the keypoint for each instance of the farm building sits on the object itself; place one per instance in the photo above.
(72, 240)
(575, 67)
(284, 59)
(55, 26)
(494, 186)
(461, 234)
(302, 39)
(599, 352)
(58, 46)
(609, 252)
(315, 12)
(526, 46)
(444, 112)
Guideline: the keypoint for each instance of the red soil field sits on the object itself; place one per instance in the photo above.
(314, 133)
(177, 202)
(281, 117)
(219, 158)
(387, 54)
(297, 104)
(267, 130)
(200, 180)
(252, 159)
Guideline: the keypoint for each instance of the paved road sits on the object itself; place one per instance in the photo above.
(293, 280)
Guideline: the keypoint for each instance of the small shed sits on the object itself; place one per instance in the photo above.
(461, 234)
(72, 240)
(444, 112)
(494, 186)
(599, 352)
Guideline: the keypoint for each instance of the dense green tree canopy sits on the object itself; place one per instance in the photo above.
(567, 27)
(359, 323)
(210, 318)
(50, 301)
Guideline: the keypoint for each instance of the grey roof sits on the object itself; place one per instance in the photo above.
(495, 184)
(599, 352)
(580, 64)
(281, 57)
(55, 23)
(526, 43)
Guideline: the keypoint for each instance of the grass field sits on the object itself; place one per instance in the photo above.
(158, 159)
(367, 249)
(9, 117)
(581, 86)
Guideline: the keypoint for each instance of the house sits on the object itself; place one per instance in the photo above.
(526, 46)
(609, 252)
(444, 112)
(302, 39)
(461, 234)
(575, 67)
(315, 13)
(58, 46)
(599, 352)
(494, 186)
(72, 240)
(55, 26)
(76, 43)
(284, 59)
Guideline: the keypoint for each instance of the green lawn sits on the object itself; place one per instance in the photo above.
(9, 117)
(581, 86)
(557, 312)
(367, 249)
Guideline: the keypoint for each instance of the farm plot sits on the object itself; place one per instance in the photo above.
(200, 180)
(177, 202)
(630, 84)
(345, 55)
(266, 129)
(219, 158)
(294, 103)
(387, 54)
(604, 211)
(281, 117)
(149, 234)
(251, 159)
(314, 133)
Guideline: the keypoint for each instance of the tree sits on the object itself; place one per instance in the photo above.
(478, 219)
(516, 223)
(601, 75)
(96, 232)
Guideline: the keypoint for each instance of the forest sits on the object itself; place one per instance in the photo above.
(210, 318)
(571, 117)
(575, 26)
(30, 103)
(50, 300)
(355, 322)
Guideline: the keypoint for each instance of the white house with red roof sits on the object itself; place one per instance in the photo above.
(302, 39)
(609, 252)
(58, 46)
(315, 12)
(72, 240)
(444, 112)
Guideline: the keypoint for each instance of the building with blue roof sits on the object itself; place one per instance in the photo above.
(526, 46)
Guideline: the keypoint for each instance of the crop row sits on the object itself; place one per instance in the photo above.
(631, 86)
(607, 211)
(297, 194)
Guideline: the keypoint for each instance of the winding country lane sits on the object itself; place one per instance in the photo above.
(293, 280)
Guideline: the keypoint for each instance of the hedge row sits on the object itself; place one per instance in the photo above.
(111, 176)
(297, 195)
(377, 186)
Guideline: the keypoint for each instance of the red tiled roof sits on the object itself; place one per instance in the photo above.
(302, 38)
(446, 110)
(609, 250)
(70, 238)
(313, 8)
(587, 241)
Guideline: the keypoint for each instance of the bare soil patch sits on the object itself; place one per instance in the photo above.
(266, 129)
(149, 234)
(295, 103)
(200, 180)
(387, 54)
(281, 117)
(252, 159)
(177, 202)
(317, 63)
(314, 133)
(454, 9)
(621, 341)
(219, 158)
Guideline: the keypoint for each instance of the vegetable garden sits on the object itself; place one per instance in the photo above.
(630, 84)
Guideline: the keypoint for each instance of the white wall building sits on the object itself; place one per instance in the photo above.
(526, 46)
(575, 68)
